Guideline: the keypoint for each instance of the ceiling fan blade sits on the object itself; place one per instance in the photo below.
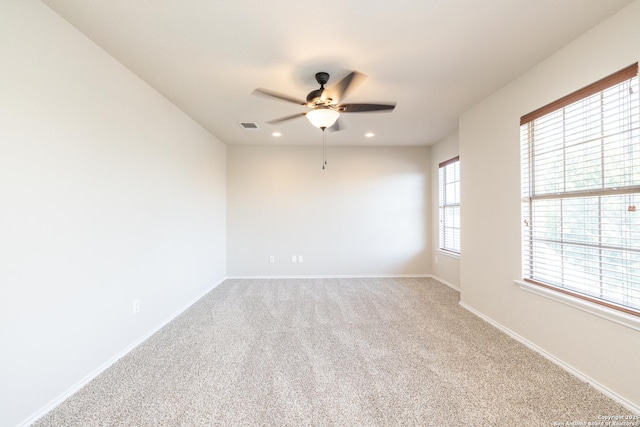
(282, 119)
(364, 108)
(280, 96)
(342, 89)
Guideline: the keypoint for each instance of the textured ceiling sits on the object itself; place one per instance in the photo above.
(434, 58)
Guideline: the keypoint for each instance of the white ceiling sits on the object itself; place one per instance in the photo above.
(434, 58)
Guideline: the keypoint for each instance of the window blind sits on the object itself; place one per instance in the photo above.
(449, 205)
(581, 193)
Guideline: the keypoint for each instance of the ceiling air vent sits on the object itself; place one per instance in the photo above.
(248, 125)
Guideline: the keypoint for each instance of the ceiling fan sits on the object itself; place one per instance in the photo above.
(325, 104)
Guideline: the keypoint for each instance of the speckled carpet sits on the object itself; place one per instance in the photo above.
(352, 352)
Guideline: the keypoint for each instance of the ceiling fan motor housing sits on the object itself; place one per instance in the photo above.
(315, 98)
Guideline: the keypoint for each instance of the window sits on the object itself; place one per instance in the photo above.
(580, 191)
(449, 178)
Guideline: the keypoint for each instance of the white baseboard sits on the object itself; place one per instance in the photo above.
(604, 390)
(84, 381)
(330, 276)
(351, 276)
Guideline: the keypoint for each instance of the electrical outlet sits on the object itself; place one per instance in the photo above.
(272, 259)
(300, 259)
(294, 258)
(436, 260)
(136, 306)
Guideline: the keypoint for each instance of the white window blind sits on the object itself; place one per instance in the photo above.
(581, 193)
(449, 179)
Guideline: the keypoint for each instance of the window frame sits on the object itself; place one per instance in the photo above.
(528, 231)
(446, 204)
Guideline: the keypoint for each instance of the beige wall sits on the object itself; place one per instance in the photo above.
(602, 350)
(108, 193)
(367, 213)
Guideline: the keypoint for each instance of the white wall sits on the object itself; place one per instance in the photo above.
(604, 351)
(367, 213)
(447, 266)
(108, 193)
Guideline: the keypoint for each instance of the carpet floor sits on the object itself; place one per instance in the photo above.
(348, 352)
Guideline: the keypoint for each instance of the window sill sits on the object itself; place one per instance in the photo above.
(449, 254)
(612, 315)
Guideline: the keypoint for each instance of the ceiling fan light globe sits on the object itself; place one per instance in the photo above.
(322, 117)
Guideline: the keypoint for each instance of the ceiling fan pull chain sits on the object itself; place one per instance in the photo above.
(324, 148)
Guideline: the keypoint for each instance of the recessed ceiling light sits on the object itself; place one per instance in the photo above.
(276, 134)
(369, 134)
